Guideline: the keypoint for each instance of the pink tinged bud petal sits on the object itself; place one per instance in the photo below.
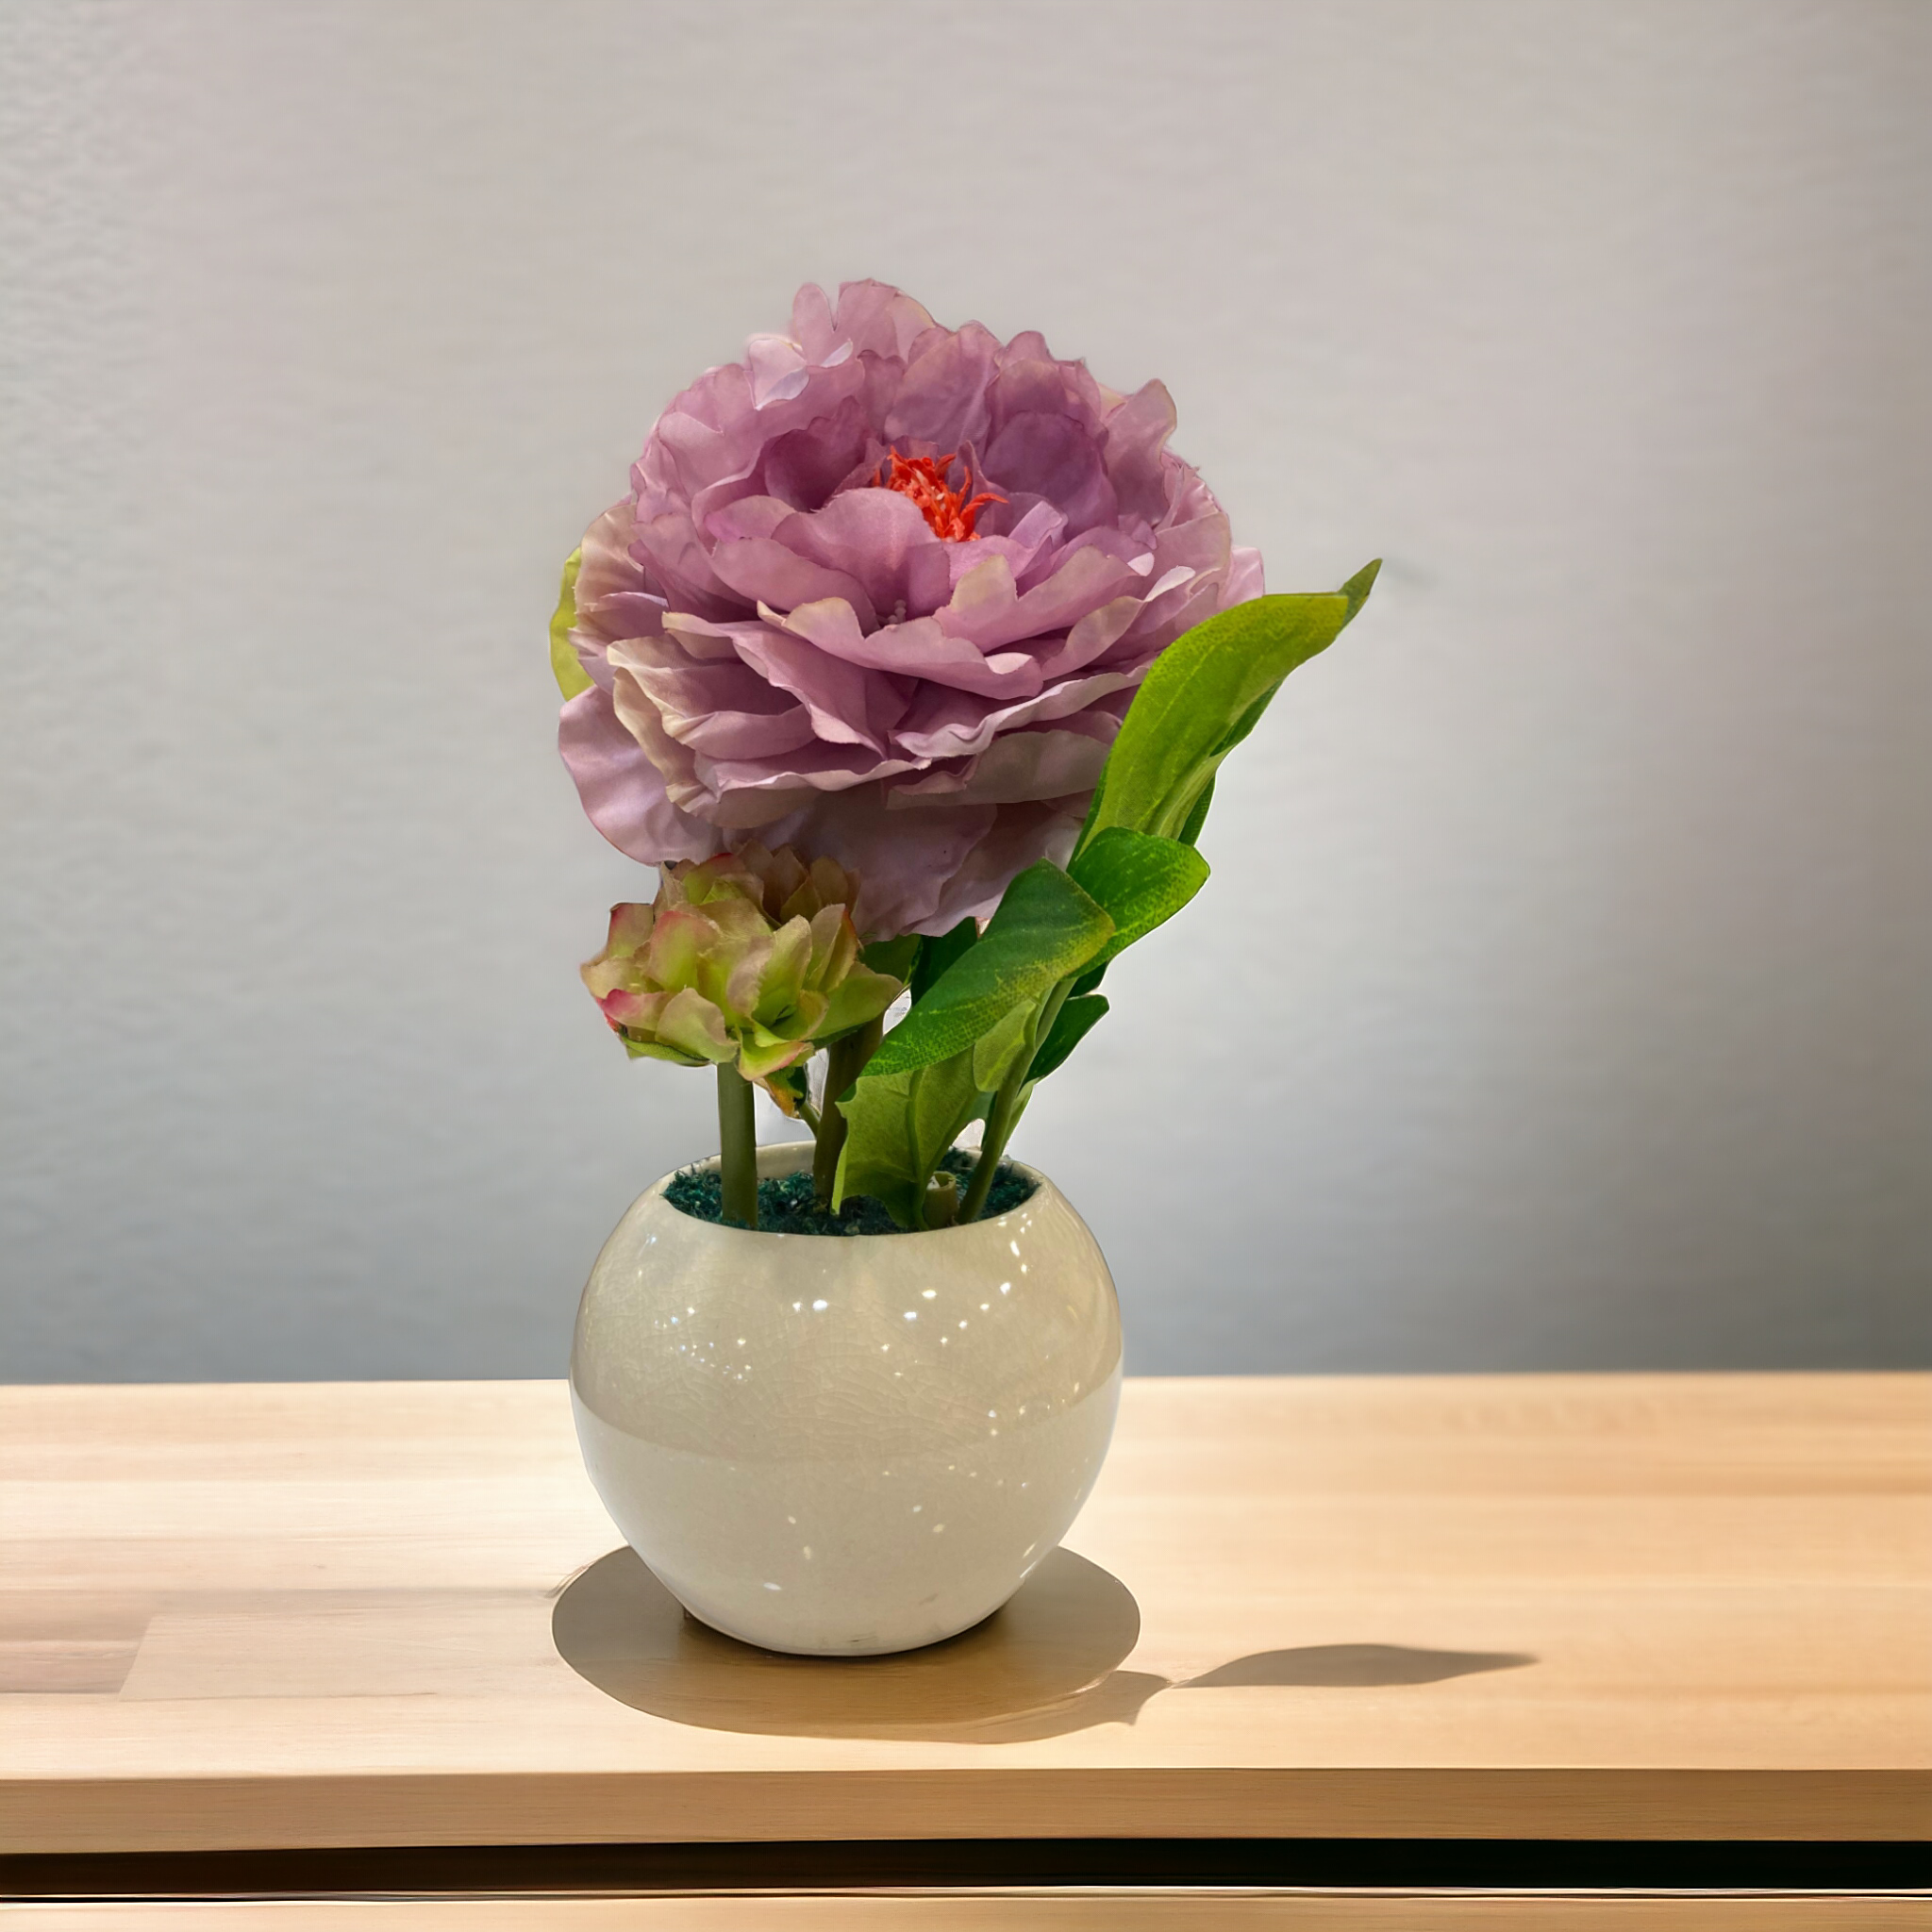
(692, 1022)
(834, 947)
(783, 977)
(721, 878)
(860, 996)
(745, 979)
(604, 975)
(780, 875)
(635, 1012)
(630, 928)
(833, 883)
(656, 1050)
(736, 921)
(678, 942)
(760, 1059)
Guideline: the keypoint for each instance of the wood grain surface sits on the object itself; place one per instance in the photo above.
(1510, 1607)
(1011, 1911)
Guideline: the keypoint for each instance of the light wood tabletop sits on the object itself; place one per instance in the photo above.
(1610, 1608)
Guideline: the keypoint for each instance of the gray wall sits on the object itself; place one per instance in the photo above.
(1560, 995)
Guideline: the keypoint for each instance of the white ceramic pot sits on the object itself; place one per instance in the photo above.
(845, 1445)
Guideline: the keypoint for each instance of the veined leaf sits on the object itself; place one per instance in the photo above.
(1139, 882)
(1206, 693)
(1046, 927)
(570, 675)
(899, 1127)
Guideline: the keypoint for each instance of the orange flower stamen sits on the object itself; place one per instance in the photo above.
(948, 512)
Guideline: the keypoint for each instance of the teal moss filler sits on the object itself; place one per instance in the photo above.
(784, 1205)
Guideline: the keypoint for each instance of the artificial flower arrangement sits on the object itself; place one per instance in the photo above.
(909, 660)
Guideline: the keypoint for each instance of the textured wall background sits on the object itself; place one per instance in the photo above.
(1560, 997)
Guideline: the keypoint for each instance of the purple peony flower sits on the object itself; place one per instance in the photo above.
(882, 591)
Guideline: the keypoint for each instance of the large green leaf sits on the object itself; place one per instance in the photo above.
(570, 675)
(1046, 927)
(899, 1127)
(1206, 693)
(1139, 882)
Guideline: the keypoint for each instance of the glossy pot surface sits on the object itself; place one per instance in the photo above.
(844, 1447)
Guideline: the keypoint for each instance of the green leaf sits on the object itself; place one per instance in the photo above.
(1076, 1018)
(1190, 834)
(899, 1127)
(570, 675)
(1206, 693)
(937, 953)
(996, 1049)
(1139, 882)
(1046, 929)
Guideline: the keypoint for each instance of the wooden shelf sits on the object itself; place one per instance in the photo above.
(1656, 1607)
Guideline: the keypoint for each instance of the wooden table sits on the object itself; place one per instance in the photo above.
(1555, 1632)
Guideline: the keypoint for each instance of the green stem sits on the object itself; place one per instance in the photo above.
(845, 1060)
(1006, 1103)
(737, 1147)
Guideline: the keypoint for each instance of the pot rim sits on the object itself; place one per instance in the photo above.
(789, 1157)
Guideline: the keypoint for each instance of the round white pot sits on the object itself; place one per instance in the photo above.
(845, 1445)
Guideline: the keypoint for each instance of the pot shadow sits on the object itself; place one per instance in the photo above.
(1356, 1664)
(1043, 1665)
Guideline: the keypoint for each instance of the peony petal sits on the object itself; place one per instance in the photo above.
(942, 397)
(987, 609)
(777, 370)
(878, 538)
(878, 320)
(917, 649)
(951, 724)
(1054, 457)
(903, 874)
(1019, 836)
(805, 466)
(1136, 439)
(623, 794)
(1018, 767)
(833, 692)
(764, 572)
(811, 323)
(1091, 637)
(1244, 579)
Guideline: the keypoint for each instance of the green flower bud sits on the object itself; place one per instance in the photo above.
(749, 959)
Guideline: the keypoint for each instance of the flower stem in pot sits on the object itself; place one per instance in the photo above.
(845, 1060)
(737, 1147)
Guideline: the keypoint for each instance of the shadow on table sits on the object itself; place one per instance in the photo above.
(1341, 1664)
(1046, 1665)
